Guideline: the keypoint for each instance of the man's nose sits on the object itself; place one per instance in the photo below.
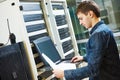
(80, 22)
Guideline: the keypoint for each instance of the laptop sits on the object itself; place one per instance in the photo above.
(64, 66)
(44, 45)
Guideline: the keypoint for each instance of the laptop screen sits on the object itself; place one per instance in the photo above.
(46, 46)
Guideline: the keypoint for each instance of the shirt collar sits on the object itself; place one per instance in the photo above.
(96, 26)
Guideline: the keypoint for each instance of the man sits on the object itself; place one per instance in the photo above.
(101, 50)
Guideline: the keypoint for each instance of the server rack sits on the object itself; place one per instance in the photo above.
(61, 27)
(36, 28)
(49, 18)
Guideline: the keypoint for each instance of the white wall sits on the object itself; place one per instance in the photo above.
(12, 13)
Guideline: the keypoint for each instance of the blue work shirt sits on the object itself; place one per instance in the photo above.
(102, 57)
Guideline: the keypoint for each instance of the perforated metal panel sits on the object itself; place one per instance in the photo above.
(35, 26)
(61, 25)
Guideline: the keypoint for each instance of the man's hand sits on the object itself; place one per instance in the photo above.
(58, 73)
(77, 59)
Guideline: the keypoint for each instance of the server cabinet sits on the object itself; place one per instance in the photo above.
(60, 27)
(36, 27)
(49, 18)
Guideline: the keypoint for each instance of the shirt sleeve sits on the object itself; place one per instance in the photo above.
(85, 58)
(95, 50)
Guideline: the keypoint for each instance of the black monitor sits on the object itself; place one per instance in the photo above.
(46, 46)
(13, 63)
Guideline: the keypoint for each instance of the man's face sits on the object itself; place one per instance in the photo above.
(85, 20)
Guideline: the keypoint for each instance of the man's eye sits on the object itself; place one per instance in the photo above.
(80, 18)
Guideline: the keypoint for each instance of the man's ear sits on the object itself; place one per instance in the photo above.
(91, 14)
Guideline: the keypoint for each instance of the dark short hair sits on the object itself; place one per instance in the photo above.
(86, 6)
